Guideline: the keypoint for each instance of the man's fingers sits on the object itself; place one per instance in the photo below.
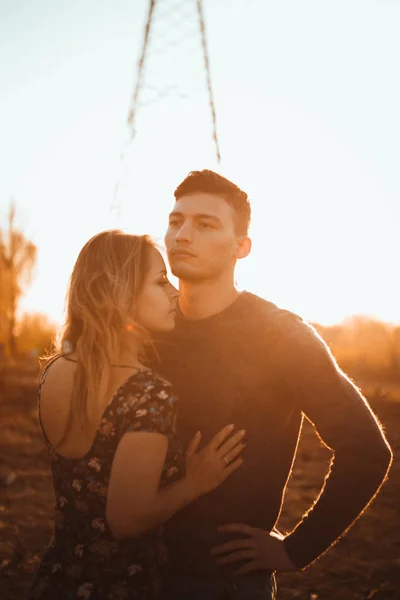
(239, 555)
(233, 545)
(247, 568)
(238, 527)
(220, 437)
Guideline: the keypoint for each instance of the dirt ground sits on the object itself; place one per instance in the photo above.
(365, 564)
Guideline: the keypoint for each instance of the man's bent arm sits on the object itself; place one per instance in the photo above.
(346, 424)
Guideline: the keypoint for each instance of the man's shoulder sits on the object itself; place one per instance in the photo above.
(262, 310)
(281, 324)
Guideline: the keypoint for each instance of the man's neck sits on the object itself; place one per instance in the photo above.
(206, 298)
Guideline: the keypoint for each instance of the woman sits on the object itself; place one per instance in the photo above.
(108, 422)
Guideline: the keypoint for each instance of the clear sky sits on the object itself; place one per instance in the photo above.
(307, 97)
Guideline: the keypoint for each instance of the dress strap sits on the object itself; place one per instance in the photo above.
(69, 359)
(41, 381)
(46, 368)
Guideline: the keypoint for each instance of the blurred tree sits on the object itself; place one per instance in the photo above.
(3, 294)
(365, 346)
(17, 260)
(35, 334)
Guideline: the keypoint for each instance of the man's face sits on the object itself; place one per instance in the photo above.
(201, 241)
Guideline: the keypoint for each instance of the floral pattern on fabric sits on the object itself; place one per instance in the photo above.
(83, 559)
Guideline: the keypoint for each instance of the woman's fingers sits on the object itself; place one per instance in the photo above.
(230, 443)
(193, 444)
(219, 438)
(233, 466)
(236, 451)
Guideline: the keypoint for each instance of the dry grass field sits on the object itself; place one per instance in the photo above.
(365, 564)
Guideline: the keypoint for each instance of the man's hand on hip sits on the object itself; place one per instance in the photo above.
(264, 551)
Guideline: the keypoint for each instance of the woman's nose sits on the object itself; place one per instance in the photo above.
(173, 292)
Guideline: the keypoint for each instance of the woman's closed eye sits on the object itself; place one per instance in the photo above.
(163, 280)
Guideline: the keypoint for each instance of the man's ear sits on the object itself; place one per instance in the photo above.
(243, 247)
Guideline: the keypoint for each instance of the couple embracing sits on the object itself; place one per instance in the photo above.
(172, 422)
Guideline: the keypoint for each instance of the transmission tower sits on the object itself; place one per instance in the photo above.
(173, 67)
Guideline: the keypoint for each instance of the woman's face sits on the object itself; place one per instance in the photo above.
(156, 304)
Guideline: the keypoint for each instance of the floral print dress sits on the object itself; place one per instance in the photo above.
(83, 559)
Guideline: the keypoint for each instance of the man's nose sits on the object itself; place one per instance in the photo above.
(184, 234)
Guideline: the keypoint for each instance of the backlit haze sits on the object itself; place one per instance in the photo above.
(307, 99)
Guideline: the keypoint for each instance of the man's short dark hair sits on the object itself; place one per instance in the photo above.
(209, 182)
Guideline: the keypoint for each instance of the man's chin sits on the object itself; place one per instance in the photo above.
(184, 274)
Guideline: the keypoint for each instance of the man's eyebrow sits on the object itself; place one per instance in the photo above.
(179, 215)
(206, 216)
(176, 213)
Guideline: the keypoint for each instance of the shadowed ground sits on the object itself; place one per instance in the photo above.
(365, 564)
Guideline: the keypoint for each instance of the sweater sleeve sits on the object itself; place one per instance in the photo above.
(346, 424)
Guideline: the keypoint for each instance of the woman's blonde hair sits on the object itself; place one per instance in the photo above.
(100, 313)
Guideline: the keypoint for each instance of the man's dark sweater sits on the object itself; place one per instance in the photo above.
(262, 368)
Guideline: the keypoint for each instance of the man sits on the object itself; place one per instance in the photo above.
(236, 358)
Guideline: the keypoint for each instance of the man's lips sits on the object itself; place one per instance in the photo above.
(181, 252)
